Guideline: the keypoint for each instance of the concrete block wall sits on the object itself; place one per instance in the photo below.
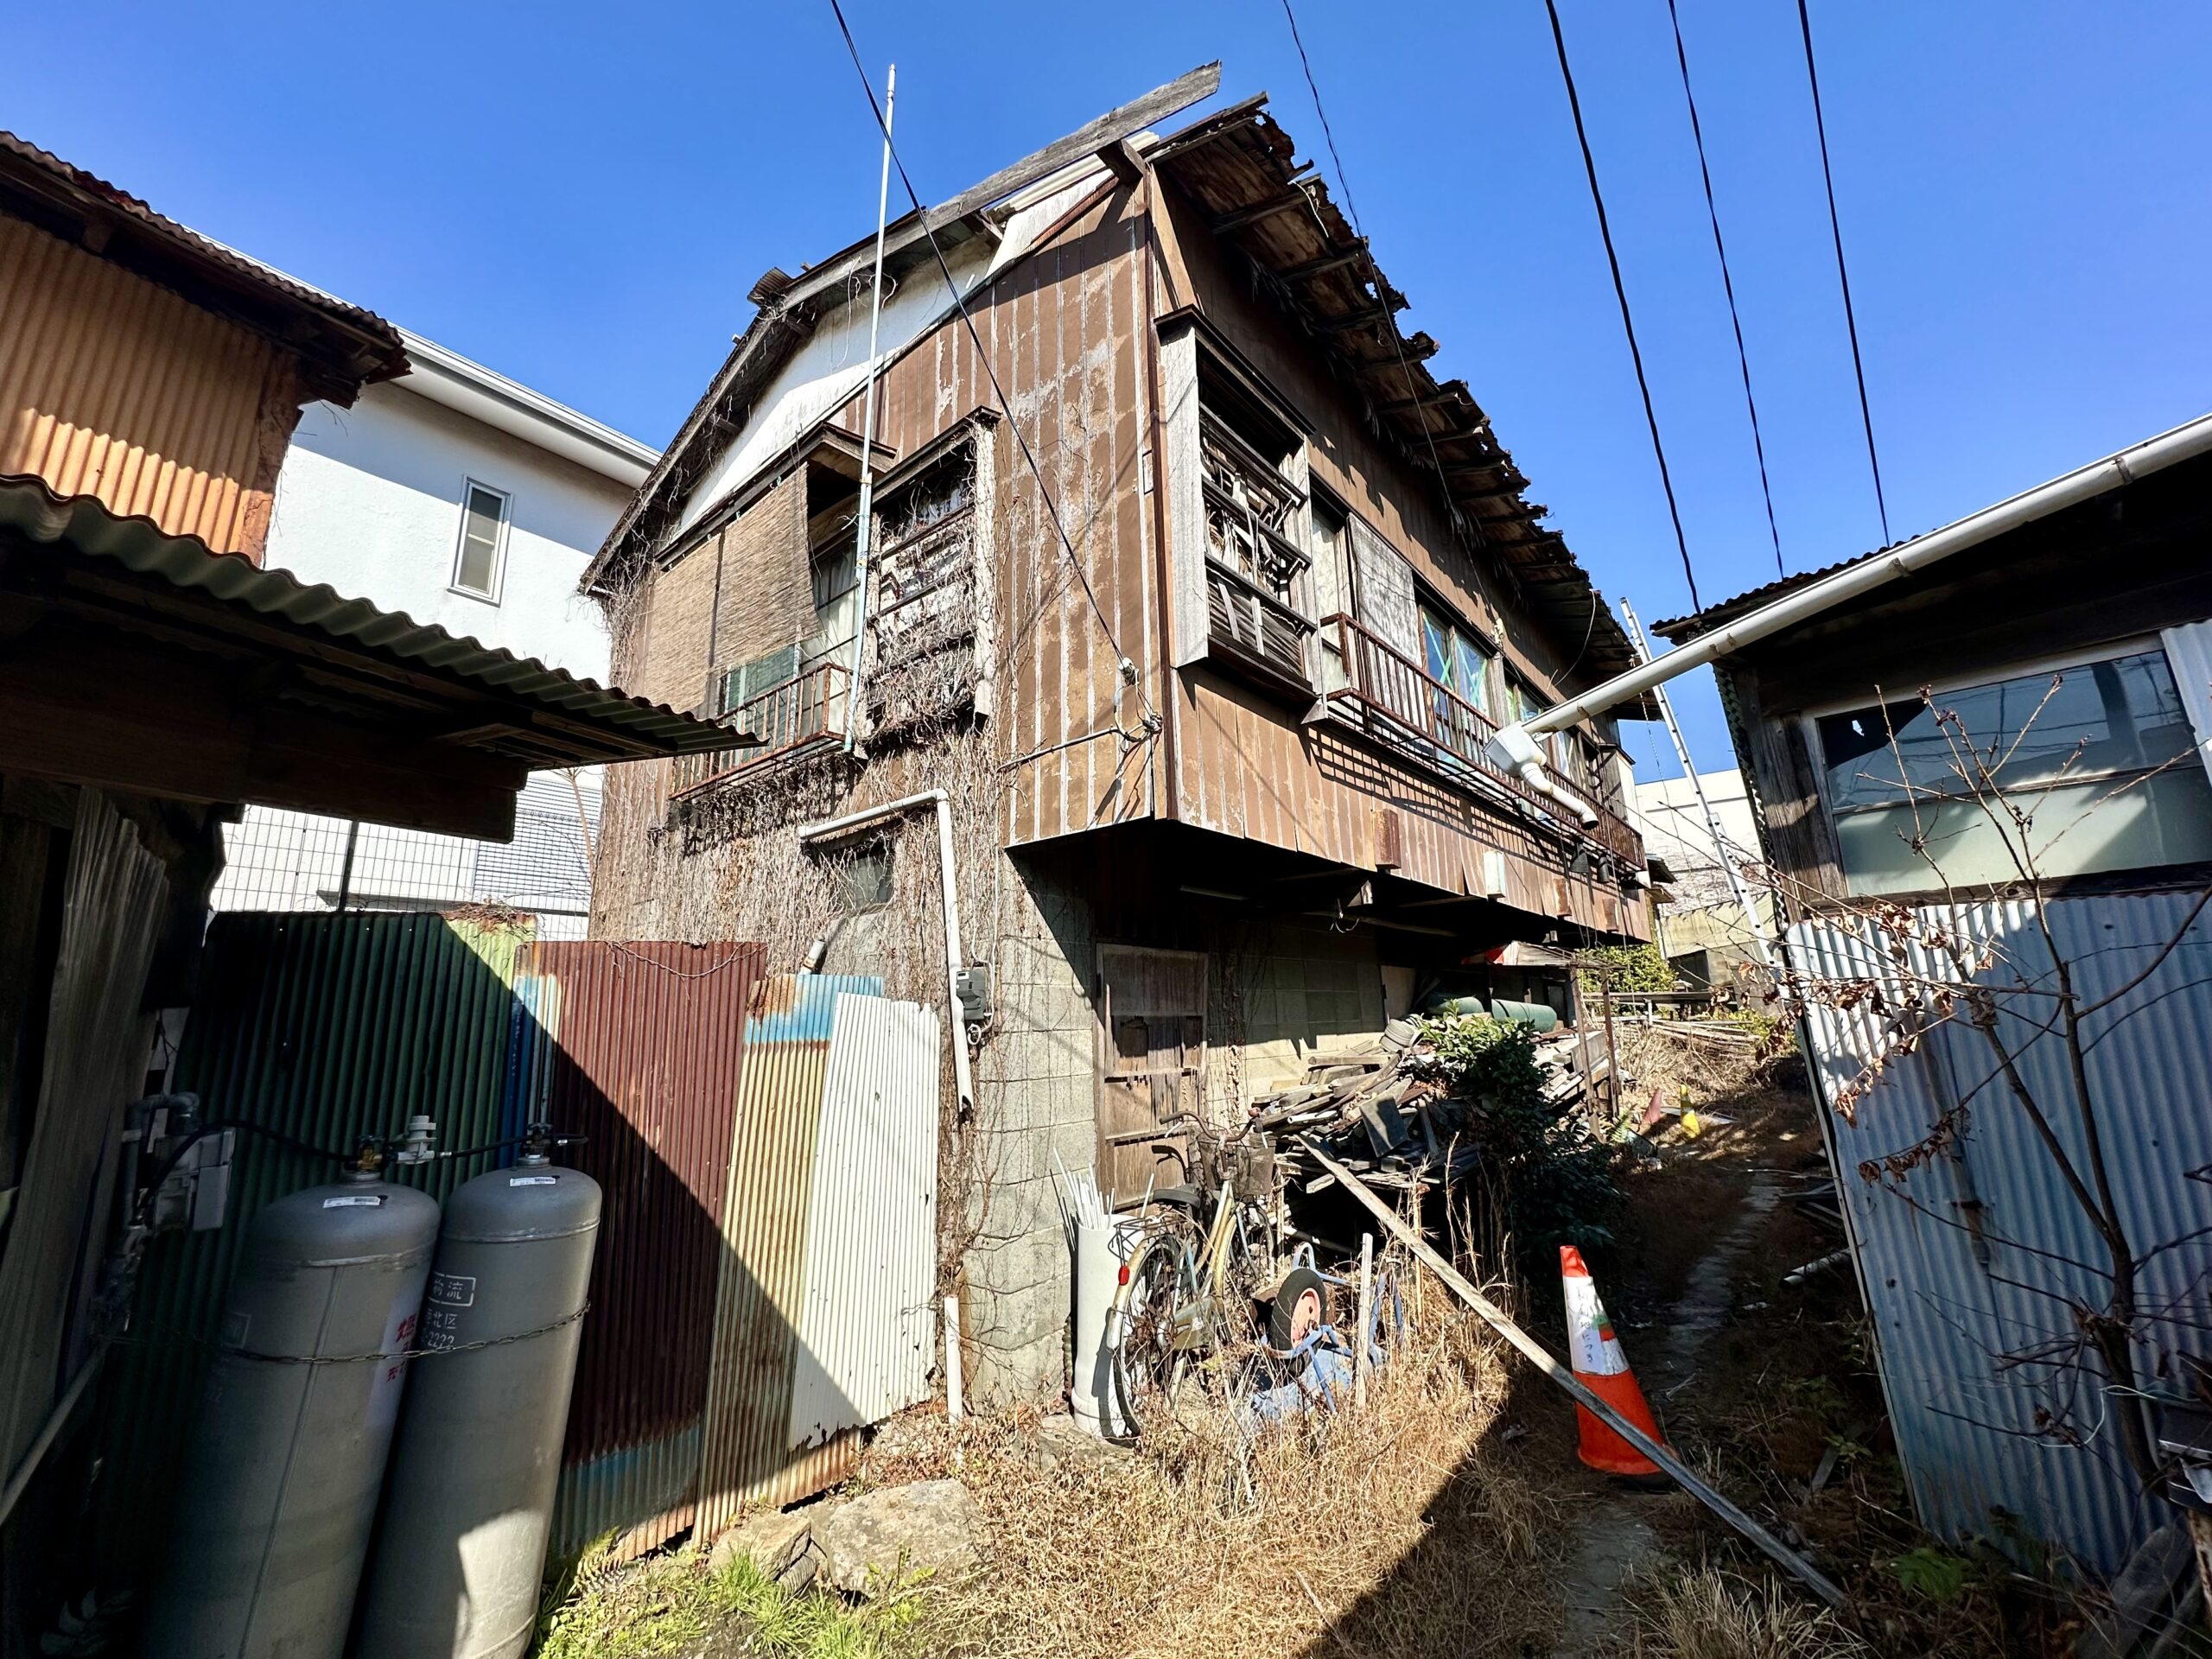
(1036, 1100)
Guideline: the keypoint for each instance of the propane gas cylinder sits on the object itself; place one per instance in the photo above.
(469, 1506)
(281, 1478)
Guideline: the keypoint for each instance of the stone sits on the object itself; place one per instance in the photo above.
(885, 1538)
(773, 1543)
(1060, 1440)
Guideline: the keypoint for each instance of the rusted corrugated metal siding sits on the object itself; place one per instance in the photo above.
(323, 1029)
(766, 1214)
(641, 1049)
(112, 387)
(1244, 772)
(1067, 328)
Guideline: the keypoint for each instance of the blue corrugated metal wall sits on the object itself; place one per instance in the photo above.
(1951, 1310)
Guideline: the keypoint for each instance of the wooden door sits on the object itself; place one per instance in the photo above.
(1150, 1065)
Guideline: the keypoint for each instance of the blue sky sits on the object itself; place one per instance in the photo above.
(582, 196)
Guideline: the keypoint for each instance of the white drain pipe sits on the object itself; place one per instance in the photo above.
(963, 1082)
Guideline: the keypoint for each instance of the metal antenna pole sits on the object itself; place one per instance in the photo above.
(1712, 821)
(868, 428)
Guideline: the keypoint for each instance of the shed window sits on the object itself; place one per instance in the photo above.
(483, 541)
(2097, 759)
(860, 880)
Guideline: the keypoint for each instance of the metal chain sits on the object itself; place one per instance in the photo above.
(172, 1333)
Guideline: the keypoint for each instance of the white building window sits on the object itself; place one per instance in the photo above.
(2082, 766)
(478, 561)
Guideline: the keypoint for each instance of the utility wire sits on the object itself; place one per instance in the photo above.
(1843, 275)
(1728, 286)
(974, 338)
(1620, 293)
(1382, 288)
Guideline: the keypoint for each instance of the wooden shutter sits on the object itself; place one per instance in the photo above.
(1150, 1065)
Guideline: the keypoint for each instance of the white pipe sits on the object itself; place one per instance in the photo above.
(2153, 454)
(1697, 786)
(867, 430)
(954, 960)
(952, 1378)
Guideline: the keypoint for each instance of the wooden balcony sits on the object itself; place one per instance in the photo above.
(1394, 700)
(1250, 628)
(792, 718)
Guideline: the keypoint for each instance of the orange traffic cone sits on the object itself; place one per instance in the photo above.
(1600, 1365)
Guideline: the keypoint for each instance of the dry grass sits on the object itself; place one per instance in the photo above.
(1707, 1613)
(1386, 1533)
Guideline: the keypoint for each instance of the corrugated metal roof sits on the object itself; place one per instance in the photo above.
(81, 524)
(1954, 1315)
(365, 347)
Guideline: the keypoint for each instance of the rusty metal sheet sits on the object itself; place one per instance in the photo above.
(639, 1047)
(112, 387)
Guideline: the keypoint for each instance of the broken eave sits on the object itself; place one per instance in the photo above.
(1240, 169)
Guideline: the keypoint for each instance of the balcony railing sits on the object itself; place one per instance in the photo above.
(799, 714)
(1395, 701)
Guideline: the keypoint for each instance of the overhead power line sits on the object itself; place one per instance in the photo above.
(982, 356)
(1620, 293)
(1375, 275)
(1728, 286)
(1843, 272)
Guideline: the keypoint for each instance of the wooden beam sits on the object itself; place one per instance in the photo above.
(91, 706)
(1086, 140)
(1267, 209)
(1371, 318)
(1123, 163)
(1322, 267)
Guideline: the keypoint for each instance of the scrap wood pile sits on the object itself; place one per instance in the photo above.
(1387, 1112)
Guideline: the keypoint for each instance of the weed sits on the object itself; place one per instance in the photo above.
(671, 1603)
(1705, 1613)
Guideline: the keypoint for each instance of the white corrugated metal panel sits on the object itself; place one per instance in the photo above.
(2189, 652)
(1956, 1312)
(866, 1325)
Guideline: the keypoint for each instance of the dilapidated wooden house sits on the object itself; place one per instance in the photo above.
(1196, 594)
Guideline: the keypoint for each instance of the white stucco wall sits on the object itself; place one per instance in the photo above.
(369, 500)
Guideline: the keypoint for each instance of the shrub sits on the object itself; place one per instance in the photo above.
(1557, 1178)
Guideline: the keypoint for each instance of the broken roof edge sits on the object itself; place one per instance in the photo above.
(1491, 523)
(355, 345)
(87, 525)
(784, 300)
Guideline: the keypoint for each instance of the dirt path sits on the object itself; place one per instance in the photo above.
(1614, 1535)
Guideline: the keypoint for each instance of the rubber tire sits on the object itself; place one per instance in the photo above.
(1295, 1288)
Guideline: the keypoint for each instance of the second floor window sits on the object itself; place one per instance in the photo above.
(478, 561)
(1454, 658)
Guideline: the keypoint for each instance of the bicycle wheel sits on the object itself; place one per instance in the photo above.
(1147, 1365)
